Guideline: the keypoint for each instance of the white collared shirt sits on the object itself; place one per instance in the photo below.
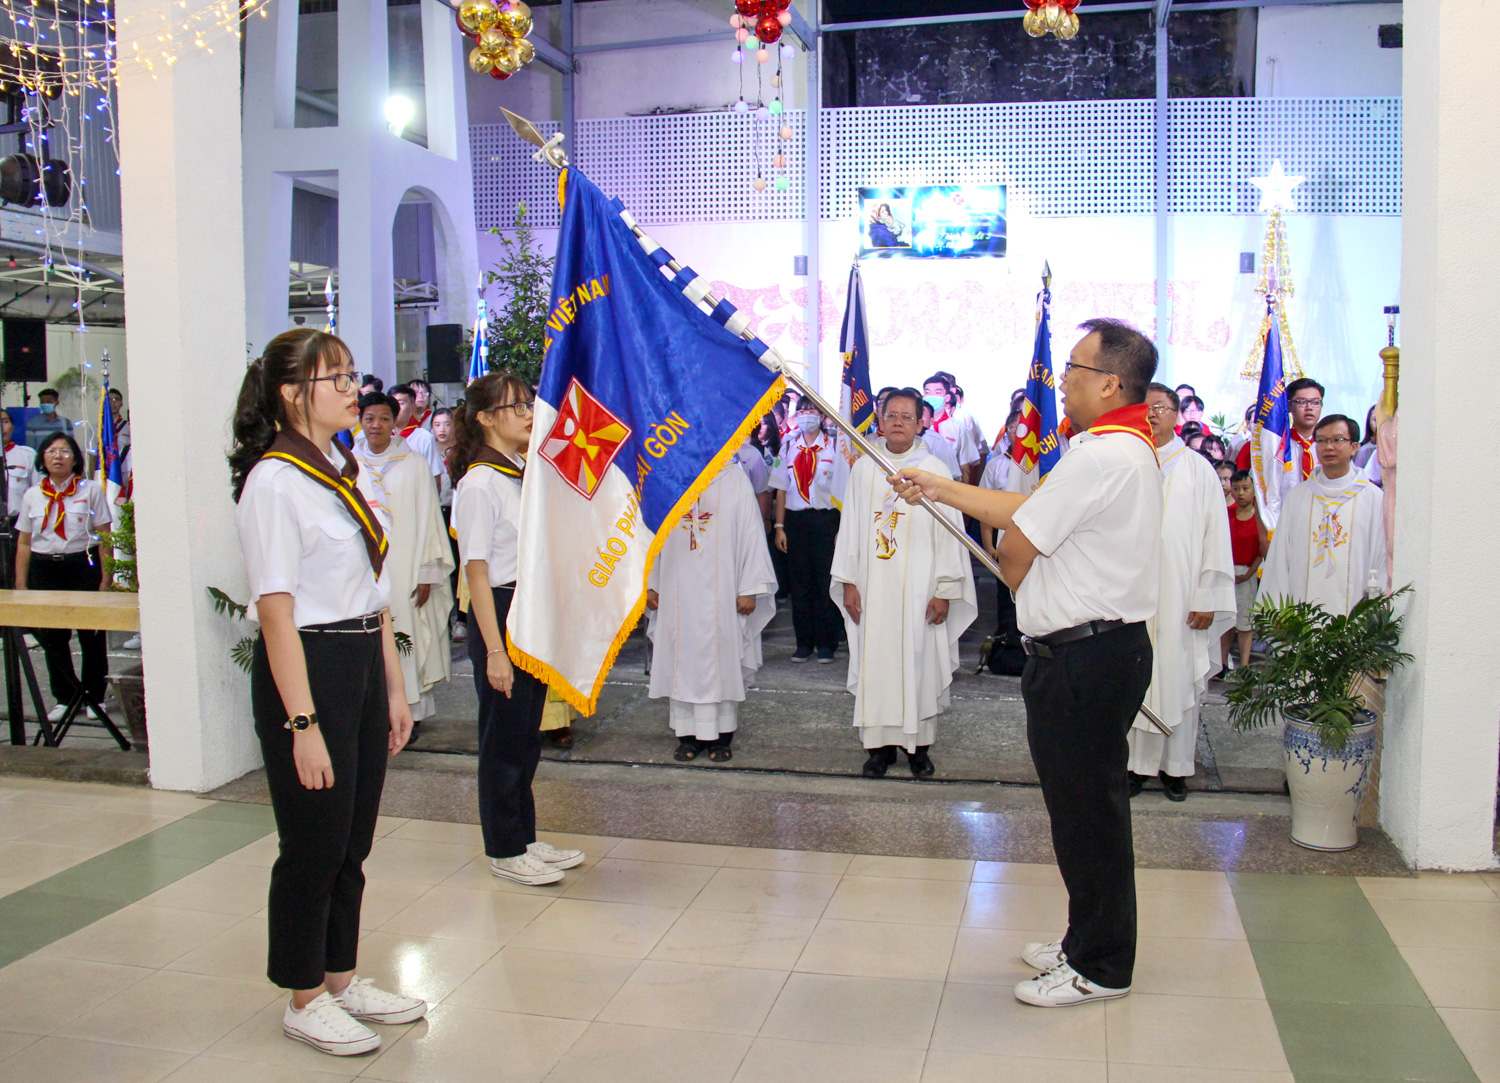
(486, 514)
(85, 512)
(421, 441)
(20, 475)
(298, 538)
(820, 491)
(1096, 523)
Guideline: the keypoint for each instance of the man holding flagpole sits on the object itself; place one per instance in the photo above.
(1081, 554)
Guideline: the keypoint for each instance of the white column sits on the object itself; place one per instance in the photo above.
(1443, 719)
(185, 332)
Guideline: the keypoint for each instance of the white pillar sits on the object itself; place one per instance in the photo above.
(185, 333)
(1443, 719)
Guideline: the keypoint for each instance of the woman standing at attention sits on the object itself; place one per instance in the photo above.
(325, 686)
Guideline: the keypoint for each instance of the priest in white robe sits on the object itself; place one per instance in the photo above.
(1329, 545)
(1195, 604)
(710, 594)
(419, 561)
(906, 589)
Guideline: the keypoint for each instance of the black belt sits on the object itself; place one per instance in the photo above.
(365, 625)
(58, 558)
(1041, 646)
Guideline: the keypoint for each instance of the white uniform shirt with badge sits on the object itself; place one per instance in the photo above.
(20, 474)
(820, 489)
(1096, 524)
(86, 511)
(486, 513)
(299, 538)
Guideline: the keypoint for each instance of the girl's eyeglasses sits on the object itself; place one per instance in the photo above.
(522, 409)
(342, 381)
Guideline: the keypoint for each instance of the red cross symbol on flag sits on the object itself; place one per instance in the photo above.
(584, 440)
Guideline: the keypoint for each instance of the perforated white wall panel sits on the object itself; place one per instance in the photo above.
(1061, 158)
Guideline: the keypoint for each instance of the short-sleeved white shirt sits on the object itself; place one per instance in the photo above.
(956, 430)
(20, 475)
(1096, 522)
(820, 491)
(996, 471)
(298, 538)
(486, 517)
(754, 464)
(942, 449)
(86, 511)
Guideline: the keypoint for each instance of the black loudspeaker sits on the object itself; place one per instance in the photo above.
(25, 343)
(445, 365)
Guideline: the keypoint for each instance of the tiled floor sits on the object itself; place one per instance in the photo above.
(135, 920)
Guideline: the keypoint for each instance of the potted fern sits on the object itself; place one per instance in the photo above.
(1314, 663)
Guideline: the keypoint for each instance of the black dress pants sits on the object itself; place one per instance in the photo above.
(810, 537)
(75, 571)
(1080, 704)
(318, 881)
(510, 746)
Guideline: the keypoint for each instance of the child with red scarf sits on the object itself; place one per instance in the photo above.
(806, 530)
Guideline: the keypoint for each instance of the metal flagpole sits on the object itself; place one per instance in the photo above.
(551, 152)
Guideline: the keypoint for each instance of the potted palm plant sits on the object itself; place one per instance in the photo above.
(1315, 661)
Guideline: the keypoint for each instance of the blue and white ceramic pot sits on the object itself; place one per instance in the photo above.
(1326, 784)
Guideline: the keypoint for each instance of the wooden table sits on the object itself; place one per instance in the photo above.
(107, 611)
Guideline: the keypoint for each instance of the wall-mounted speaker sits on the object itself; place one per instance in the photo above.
(445, 365)
(25, 344)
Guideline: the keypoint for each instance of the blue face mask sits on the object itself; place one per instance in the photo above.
(935, 401)
(48, 408)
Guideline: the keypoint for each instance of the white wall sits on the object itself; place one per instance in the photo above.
(974, 318)
(1326, 52)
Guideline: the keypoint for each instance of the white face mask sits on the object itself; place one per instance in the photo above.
(809, 424)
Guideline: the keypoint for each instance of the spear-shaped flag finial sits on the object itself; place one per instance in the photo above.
(1046, 274)
(550, 150)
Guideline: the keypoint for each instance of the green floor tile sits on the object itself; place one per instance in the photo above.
(1336, 973)
(121, 877)
(235, 812)
(1265, 883)
(204, 840)
(31, 919)
(1368, 1042)
(1332, 919)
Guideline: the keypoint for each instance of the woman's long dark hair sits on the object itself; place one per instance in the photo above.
(483, 395)
(291, 357)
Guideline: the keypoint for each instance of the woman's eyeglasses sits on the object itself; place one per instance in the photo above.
(342, 381)
(522, 409)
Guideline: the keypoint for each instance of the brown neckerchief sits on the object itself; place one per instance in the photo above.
(292, 447)
(488, 456)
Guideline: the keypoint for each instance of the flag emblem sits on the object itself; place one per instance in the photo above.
(584, 440)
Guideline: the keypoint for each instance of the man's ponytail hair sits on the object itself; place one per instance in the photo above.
(292, 357)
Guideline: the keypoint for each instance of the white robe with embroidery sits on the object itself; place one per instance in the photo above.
(900, 558)
(1197, 576)
(1329, 542)
(405, 492)
(704, 651)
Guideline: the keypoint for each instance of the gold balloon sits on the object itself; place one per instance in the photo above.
(525, 52)
(493, 42)
(508, 59)
(477, 16)
(1052, 16)
(514, 17)
(479, 63)
(1032, 23)
(1069, 28)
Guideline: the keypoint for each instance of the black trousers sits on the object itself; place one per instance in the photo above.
(810, 538)
(318, 881)
(75, 571)
(1079, 707)
(510, 746)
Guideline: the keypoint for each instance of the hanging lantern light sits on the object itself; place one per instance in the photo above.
(499, 33)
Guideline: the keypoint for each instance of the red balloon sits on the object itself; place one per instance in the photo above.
(747, 8)
(496, 73)
(782, 5)
(1034, 5)
(768, 29)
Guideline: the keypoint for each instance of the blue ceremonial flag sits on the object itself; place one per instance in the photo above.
(1037, 446)
(110, 473)
(856, 399)
(479, 362)
(645, 396)
(1271, 426)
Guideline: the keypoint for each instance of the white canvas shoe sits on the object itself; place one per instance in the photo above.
(324, 1025)
(1043, 957)
(525, 869)
(558, 859)
(1062, 987)
(362, 1000)
(56, 714)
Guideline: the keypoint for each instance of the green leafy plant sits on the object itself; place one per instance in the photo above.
(518, 315)
(1315, 660)
(118, 549)
(1219, 425)
(243, 652)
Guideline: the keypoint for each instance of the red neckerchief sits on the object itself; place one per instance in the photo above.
(1127, 419)
(804, 467)
(55, 500)
(413, 426)
(8, 445)
(292, 447)
(1307, 455)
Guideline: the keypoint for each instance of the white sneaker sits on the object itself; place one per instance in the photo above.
(525, 869)
(1044, 957)
(324, 1025)
(362, 1000)
(1062, 987)
(131, 644)
(56, 714)
(558, 859)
